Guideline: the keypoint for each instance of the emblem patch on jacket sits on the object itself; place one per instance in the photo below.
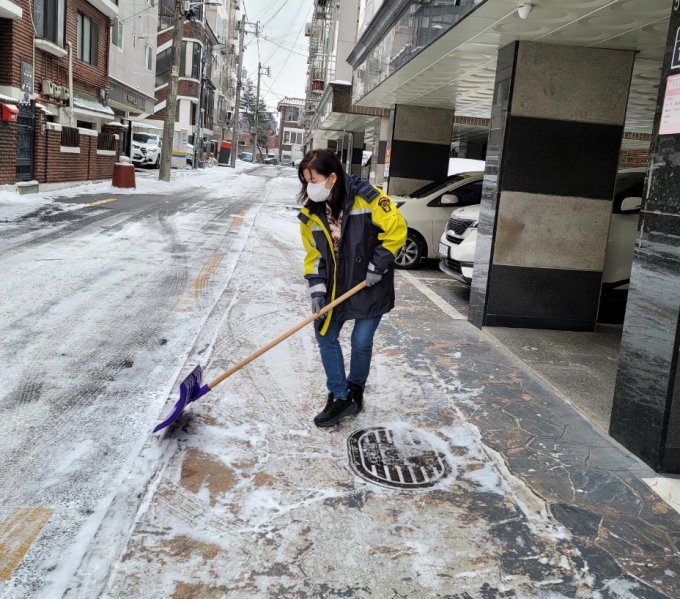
(385, 204)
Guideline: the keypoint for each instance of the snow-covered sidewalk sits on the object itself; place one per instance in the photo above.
(521, 497)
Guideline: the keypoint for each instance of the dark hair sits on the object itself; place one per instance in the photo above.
(324, 162)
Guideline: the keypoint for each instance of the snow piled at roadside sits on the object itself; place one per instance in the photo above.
(14, 206)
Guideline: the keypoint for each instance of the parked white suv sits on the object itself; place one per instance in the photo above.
(457, 243)
(428, 209)
(146, 149)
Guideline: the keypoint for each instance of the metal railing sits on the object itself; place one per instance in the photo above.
(70, 137)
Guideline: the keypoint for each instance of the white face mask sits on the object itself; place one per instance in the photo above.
(317, 192)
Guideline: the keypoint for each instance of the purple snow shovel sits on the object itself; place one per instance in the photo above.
(190, 389)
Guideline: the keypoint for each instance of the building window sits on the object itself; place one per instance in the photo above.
(49, 18)
(291, 114)
(166, 14)
(117, 33)
(162, 67)
(196, 62)
(88, 40)
(292, 137)
(148, 56)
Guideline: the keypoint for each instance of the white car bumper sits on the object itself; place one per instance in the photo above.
(457, 255)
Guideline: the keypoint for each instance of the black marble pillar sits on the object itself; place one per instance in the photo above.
(420, 146)
(646, 413)
(505, 73)
(554, 141)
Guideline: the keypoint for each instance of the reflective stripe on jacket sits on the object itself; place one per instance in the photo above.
(373, 231)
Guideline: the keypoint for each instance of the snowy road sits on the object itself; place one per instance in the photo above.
(103, 297)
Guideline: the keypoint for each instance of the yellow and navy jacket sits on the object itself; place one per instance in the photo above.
(373, 231)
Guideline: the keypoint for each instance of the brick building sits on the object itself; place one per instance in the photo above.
(56, 72)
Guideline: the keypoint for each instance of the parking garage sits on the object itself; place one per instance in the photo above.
(573, 92)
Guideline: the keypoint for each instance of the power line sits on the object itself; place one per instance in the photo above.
(290, 26)
(291, 51)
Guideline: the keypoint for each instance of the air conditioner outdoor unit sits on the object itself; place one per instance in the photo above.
(65, 96)
(308, 29)
(104, 94)
(58, 89)
(47, 87)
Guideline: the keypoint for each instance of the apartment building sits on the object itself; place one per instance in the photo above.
(291, 132)
(330, 119)
(207, 82)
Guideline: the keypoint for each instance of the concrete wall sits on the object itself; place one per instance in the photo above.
(127, 64)
(348, 15)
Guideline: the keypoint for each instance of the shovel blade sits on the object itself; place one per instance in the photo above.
(188, 392)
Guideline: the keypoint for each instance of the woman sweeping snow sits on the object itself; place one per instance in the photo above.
(351, 232)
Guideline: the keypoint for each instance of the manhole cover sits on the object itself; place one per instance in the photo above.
(399, 458)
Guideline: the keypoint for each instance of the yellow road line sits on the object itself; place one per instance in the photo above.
(198, 285)
(101, 202)
(97, 203)
(17, 533)
(238, 220)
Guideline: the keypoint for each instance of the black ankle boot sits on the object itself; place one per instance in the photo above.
(356, 392)
(323, 414)
(335, 411)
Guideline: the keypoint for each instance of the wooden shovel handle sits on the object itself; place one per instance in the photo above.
(287, 334)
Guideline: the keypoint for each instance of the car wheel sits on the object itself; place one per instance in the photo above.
(158, 163)
(412, 253)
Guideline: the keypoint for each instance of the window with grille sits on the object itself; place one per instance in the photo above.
(88, 40)
(70, 137)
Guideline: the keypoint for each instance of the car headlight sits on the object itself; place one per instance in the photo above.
(474, 225)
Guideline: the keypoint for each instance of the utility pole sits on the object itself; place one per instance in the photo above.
(237, 105)
(171, 98)
(257, 108)
(198, 138)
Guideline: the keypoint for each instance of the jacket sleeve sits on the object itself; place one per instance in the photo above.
(314, 264)
(392, 236)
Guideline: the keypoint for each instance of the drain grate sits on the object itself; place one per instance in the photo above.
(398, 458)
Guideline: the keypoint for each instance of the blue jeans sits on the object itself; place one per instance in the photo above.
(360, 362)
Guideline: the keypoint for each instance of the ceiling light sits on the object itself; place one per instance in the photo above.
(524, 10)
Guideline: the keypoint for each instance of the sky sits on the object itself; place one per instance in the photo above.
(282, 46)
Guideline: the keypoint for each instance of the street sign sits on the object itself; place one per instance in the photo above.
(670, 116)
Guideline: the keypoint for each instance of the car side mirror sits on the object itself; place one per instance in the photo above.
(448, 199)
(631, 204)
(160, 144)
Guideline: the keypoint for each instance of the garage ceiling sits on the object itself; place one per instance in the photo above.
(458, 70)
